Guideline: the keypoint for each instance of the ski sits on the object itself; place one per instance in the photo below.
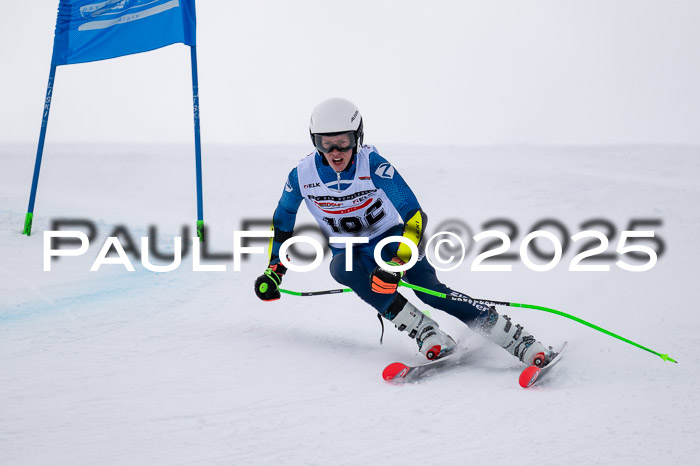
(398, 372)
(532, 374)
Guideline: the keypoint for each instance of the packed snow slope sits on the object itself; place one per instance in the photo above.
(188, 367)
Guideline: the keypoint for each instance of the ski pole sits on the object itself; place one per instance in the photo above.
(487, 302)
(315, 293)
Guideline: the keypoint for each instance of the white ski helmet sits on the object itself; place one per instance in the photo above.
(335, 116)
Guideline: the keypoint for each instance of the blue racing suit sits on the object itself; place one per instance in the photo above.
(421, 274)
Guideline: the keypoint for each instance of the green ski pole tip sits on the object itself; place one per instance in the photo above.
(263, 287)
(666, 357)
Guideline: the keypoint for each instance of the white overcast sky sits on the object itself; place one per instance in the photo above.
(438, 73)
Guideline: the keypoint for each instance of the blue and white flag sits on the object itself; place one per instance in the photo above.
(91, 30)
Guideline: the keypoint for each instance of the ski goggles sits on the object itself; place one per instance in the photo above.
(340, 141)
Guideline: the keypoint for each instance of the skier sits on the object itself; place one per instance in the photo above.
(352, 191)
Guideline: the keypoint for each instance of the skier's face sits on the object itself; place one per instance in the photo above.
(331, 149)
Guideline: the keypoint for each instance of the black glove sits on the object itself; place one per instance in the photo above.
(267, 285)
(386, 282)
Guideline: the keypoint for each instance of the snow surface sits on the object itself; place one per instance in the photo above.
(183, 367)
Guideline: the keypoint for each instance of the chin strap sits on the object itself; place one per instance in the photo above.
(350, 163)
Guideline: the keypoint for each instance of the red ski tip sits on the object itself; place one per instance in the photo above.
(395, 370)
(529, 376)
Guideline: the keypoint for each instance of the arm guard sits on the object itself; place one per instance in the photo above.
(276, 241)
(412, 230)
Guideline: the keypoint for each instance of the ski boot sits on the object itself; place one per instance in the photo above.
(515, 339)
(433, 343)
